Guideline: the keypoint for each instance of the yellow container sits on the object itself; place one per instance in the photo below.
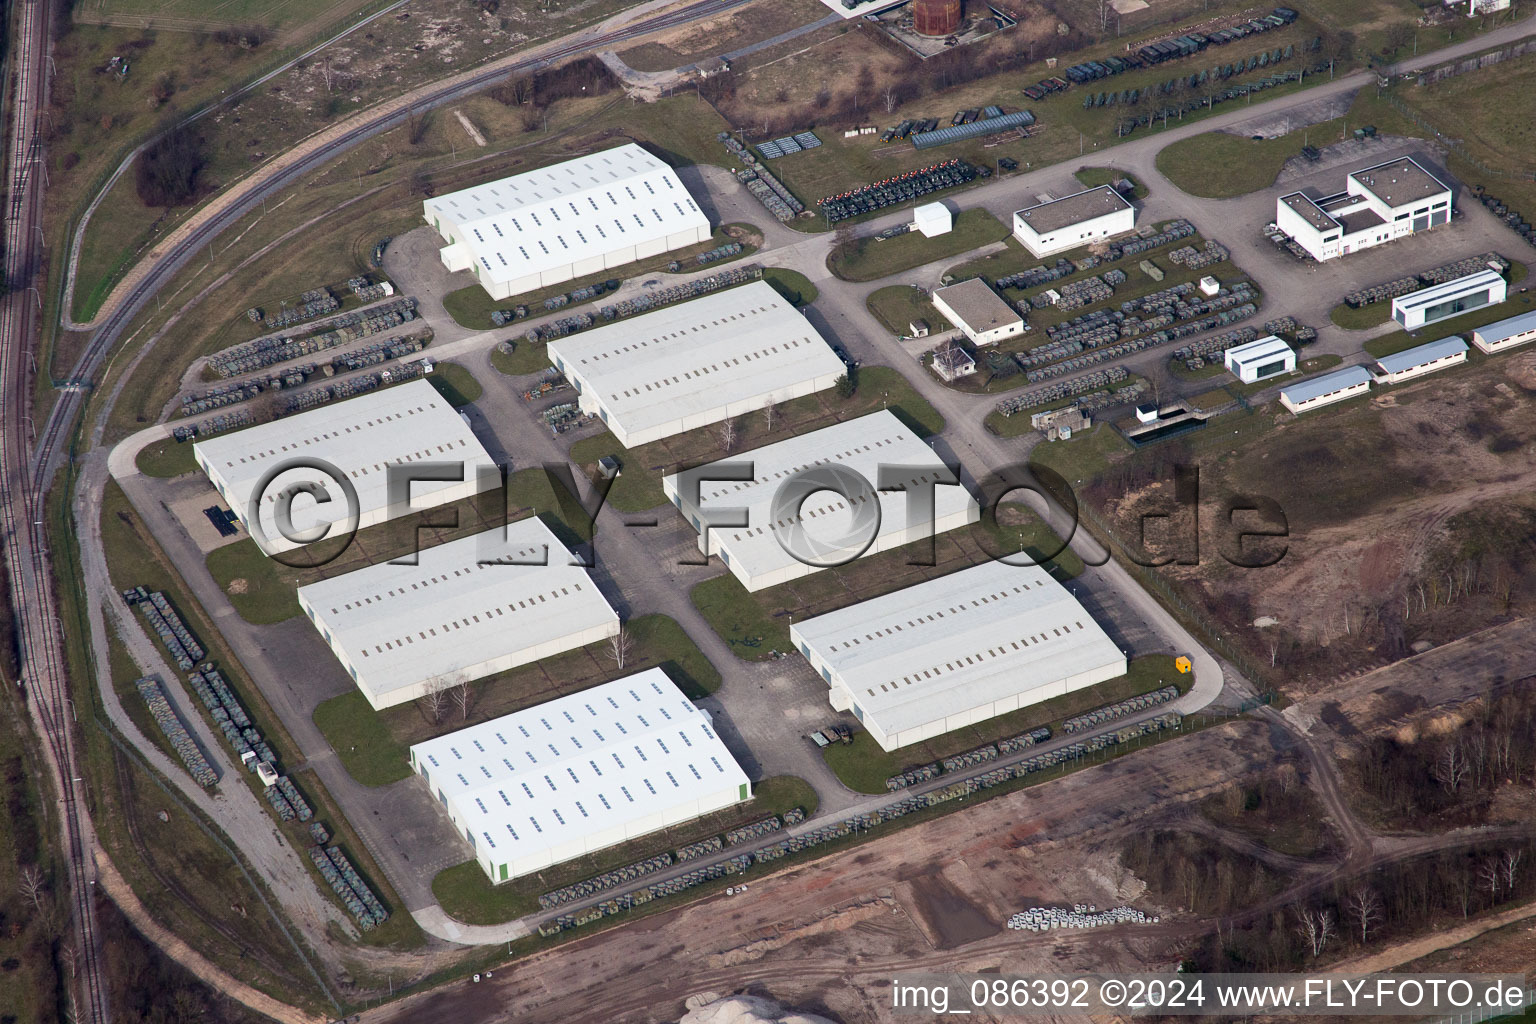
(1182, 664)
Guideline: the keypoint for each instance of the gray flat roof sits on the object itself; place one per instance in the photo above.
(981, 308)
(1360, 220)
(1258, 351)
(1073, 209)
(1448, 289)
(1314, 387)
(1309, 211)
(1407, 359)
(1500, 329)
(1400, 182)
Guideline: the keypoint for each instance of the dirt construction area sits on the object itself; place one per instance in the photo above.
(1413, 534)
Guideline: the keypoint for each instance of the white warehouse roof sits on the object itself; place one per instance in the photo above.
(756, 553)
(696, 363)
(1262, 350)
(579, 773)
(410, 423)
(1447, 290)
(569, 212)
(469, 608)
(995, 636)
(1421, 354)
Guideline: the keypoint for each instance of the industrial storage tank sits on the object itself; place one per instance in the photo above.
(935, 17)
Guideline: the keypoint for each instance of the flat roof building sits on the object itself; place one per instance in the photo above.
(1421, 359)
(1378, 204)
(1506, 334)
(1451, 298)
(1266, 357)
(468, 609)
(985, 317)
(825, 528)
(696, 363)
(410, 424)
(1316, 392)
(933, 219)
(568, 220)
(580, 773)
(956, 650)
(1073, 221)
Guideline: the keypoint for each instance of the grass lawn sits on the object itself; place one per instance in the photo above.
(1083, 457)
(167, 458)
(795, 287)
(366, 749)
(638, 486)
(1093, 177)
(254, 583)
(755, 624)
(467, 895)
(526, 358)
(471, 306)
(1359, 319)
(1216, 165)
(863, 766)
(897, 306)
(866, 259)
(456, 384)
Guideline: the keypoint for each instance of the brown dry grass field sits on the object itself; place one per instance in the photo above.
(1415, 530)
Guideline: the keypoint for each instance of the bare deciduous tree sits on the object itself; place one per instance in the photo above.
(890, 99)
(32, 887)
(1365, 908)
(1451, 767)
(1490, 877)
(1315, 928)
(1510, 865)
(770, 413)
(1287, 777)
(434, 699)
(461, 695)
(620, 646)
(727, 432)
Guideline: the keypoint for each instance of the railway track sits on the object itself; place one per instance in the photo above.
(22, 507)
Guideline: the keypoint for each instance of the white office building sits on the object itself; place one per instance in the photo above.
(1421, 359)
(1072, 221)
(360, 441)
(796, 524)
(1316, 392)
(1442, 301)
(696, 363)
(955, 651)
(1506, 334)
(568, 220)
(1378, 204)
(580, 773)
(1257, 360)
(468, 609)
(983, 315)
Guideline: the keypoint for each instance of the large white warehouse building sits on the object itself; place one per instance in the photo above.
(361, 438)
(580, 773)
(1066, 223)
(957, 650)
(696, 363)
(468, 609)
(1378, 204)
(1438, 302)
(831, 527)
(565, 221)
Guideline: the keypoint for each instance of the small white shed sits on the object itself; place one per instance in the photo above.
(933, 219)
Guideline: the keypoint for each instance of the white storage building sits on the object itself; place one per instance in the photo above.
(1074, 220)
(1316, 392)
(827, 523)
(933, 219)
(985, 316)
(410, 424)
(568, 220)
(1421, 359)
(956, 650)
(1378, 204)
(468, 609)
(1266, 357)
(1452, 298)
(1506, 334)
(696, 363)
(580, 773)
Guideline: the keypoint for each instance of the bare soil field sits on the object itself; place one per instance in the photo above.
(729, 32)
(1411, 532)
